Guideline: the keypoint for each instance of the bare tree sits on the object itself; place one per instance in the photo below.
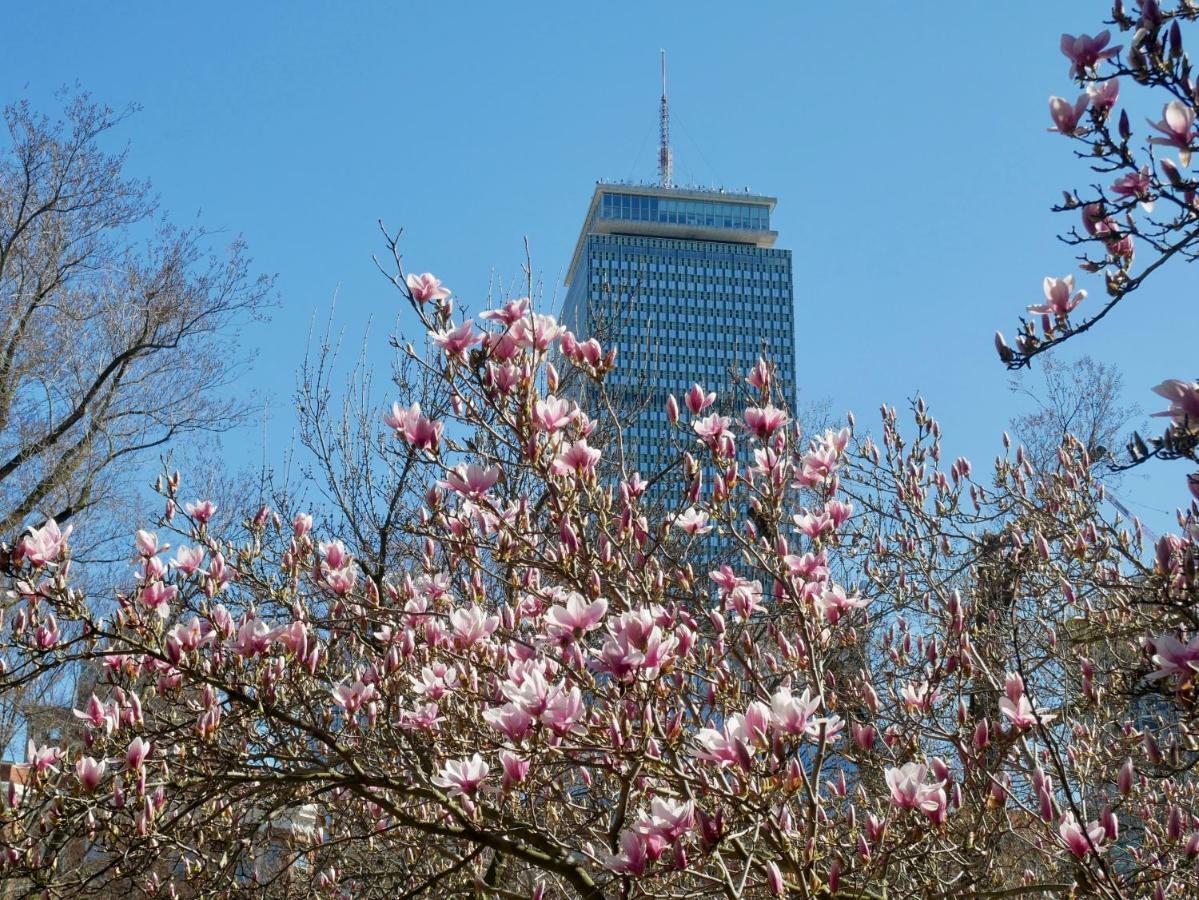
(1080, 398)
(117, 329)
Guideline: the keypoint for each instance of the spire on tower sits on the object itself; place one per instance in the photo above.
(665, 162)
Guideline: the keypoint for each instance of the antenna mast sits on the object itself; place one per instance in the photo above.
(665, 162)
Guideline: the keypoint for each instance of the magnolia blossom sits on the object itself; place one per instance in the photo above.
(577, 459)
(1184, 402)
(1085, 52)
(1078, 841)
(765, 421)
(730, 745)
(201, 510)
(1060, 299)
(693, 521)
(794, 715)
(471, 481)
(1104, 94)
(44, 758)
(574, 619)
(1136, 184)
(1065, 115)
(456, 341)
(910, 790)
(1178, 127)
(552, 413)
(351, 697)
(45, 544)
(90, 772)
(138, 750)
(188, 559)
(697, 400)
(426, 287)
(1173, 657)
(462, 776)
(472, 625)
(413, 428)
(511, 312)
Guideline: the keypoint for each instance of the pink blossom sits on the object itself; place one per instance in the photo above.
(1058, 299)
(471, 625)
(426, 287)
(813, 525)
(1085, 52)
(540, 333)
(1104, 94)
(697, 400)
(435, 681)
(509, 719)
(334, 553)
(711, 428)
(457, 341)
(90, 772)
(669, 818)
(253, 638)
(301, 525)
(138, 750)
(766, 420)
(515, 768)
(571, 621)
(577, 459)
(920, 697)
(1066, 116)
(97, 715)
(692, 521)
(1136, 184)
(909, 790)
(728, 746)
(552, 413)
(351, 697)
(1021, 712)
(45, 544)
(563, 709)
(341, 581)
(512, 312)
(294, 638)
(44, 758)
(1078, 841)
(158, 596)
(793, 715)
(462, 776)
(1173, 657)
(188, 559)
(1184, 402)
(146, 542)
(471, 481)
(633, 857)
(1178, 126)
(201, 510)
(636, 645)
(413, 428)
(759, 376)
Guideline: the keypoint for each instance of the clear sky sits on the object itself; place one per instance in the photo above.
(906, 143)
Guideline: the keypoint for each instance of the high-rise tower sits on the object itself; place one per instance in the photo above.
(688, 285)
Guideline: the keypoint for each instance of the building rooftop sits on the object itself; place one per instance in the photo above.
(688, 213)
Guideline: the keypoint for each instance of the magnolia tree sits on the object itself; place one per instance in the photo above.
(1141, 213)
(914, 681)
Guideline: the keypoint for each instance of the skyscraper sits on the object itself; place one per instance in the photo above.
(688, 285)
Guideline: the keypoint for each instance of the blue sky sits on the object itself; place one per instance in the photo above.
(906, 144)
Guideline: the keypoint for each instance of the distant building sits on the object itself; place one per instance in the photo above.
(689, 287)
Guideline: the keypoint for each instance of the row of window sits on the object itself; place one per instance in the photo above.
(672, 211)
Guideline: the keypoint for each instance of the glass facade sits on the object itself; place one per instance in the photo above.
(678, 211)
(680, 310)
